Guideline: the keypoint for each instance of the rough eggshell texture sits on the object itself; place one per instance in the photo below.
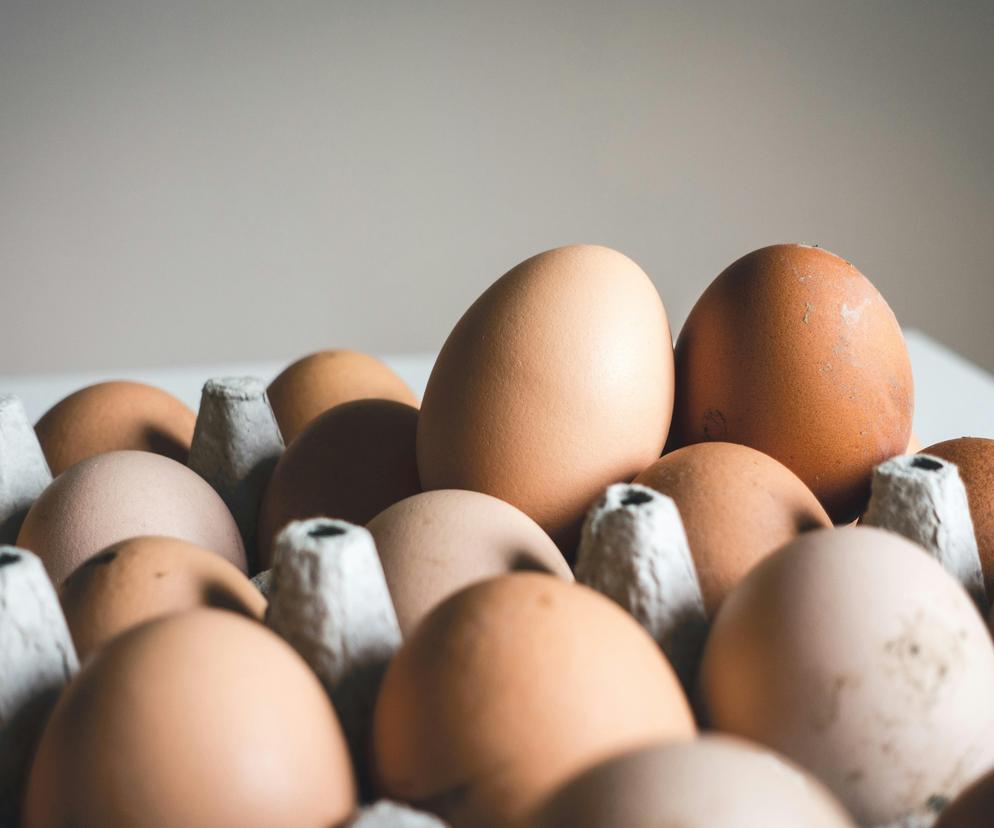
(146, 577)
(121, 495)
(199, 719)
(737, 505)
(712, 782)
(113, 416)
(317, 382)
(435, 543)
(556, 382)
(854, 653)
(509, 688)
(792, 351)
(974, 457)
(350, 463)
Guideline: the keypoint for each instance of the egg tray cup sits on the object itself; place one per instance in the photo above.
(328, 595)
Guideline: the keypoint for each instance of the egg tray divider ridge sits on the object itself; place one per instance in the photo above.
(327, 586)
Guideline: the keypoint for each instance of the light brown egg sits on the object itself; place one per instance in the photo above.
(556, 382)
(317, 382)
(201, 718)
(914, 444)
(792, 351)
(974, 457)
(147, 577)
(435, 543)
(350, 463)
(511, 687)
(855, 654)
(737, 506)
(113, 416)
(123, 494)
(713, 782)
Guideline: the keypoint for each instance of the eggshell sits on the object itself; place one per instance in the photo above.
(713, 782)
(974, 808)
(146, 577)
(199, 719)
(350, 463)
(113, 416)
(509, 688)
(737, 506)
(556, 382)
(974, 458)
(317, 382)
(123, 494)
(857, 655)
(792, 351)
(435, 543)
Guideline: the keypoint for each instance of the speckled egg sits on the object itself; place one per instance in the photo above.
(792, 351)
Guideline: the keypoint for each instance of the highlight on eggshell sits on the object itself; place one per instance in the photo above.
(556, 382)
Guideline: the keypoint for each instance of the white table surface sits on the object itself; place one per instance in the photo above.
(953, 397)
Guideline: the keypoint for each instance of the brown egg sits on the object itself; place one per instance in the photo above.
(974, 457)
(557, 382)
(737, 506)
(509, 688)
(121, 495)
(315, 383)
(435, 543)
(792, 351)
(201, 718)
(677, 786)
(112, 416)
(856, 655)
(350, 463)
(146, 577)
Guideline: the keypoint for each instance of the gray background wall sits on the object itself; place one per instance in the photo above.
(195, 182)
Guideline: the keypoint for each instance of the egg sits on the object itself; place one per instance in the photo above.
(123, 494)
(974, 457)
(855, 654)
(146, 577)
(737, 506)
(792, 351)
(556, 382)
(713, 782)
(350, 463)
(509, 688)
(317, 382)
(113, 416)
(200, 718)
(435, 543)
(972, 808)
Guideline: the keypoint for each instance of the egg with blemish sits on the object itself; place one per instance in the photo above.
(792, 351)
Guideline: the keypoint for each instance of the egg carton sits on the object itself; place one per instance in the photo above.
(328, 596)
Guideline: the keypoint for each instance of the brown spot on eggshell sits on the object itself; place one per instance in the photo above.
(149, 577)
